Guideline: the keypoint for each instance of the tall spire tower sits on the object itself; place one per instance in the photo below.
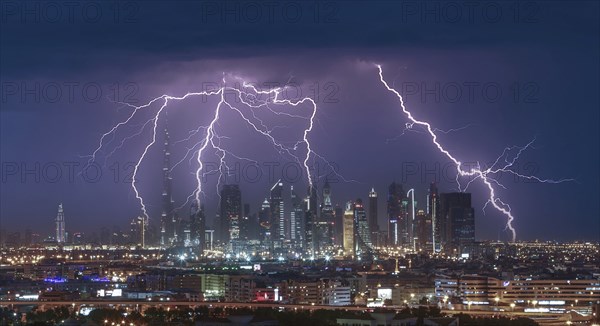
(60, 225)
(168, 231)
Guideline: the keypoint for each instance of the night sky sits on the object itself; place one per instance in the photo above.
(538, 63)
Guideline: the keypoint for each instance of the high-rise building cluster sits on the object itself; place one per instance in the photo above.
(310, 226)
(313, 226)
(306, 224)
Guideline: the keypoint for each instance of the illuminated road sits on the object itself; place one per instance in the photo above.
(542, 318)
(258, 305)
(179, 303)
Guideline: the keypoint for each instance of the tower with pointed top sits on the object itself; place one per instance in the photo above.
(168, 230)
(326, 222)
(264, 220)
(60, 225)
(362, 234)
(197, 226)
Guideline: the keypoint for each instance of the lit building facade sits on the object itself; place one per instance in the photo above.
(231, 213)
(433, 204)
(348, 236)
(362, 238)
(298, 233)
(396, 211)
(373, 217)
(60, 225)
(530, 293)
(168, 227)
(326, 220)
(277, 215)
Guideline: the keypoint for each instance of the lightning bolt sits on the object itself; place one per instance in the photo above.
(476, 173)
(207, 138)
(253, 99)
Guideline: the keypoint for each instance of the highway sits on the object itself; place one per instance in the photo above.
(156, 303)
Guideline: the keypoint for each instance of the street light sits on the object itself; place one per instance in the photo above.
(512, 306)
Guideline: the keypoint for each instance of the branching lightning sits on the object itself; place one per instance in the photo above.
(476, 173)
(248, 101)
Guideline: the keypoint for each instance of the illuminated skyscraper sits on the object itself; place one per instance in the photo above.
(411, 238)
(396, 214)
(349, 233)
(264, 219)
(168, 230)
(311, 220)
(362, 237)
(197, 226)
(338, 226)
(231, 213)
(437, 225)
(459, 216)
(423, 231)
(278, 215)
(60, 225)
(297, 220)
(137, 232)
(373, 224)
(246, 224)
(326, 221)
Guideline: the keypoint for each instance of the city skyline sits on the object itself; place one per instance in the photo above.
(285, 217)
(280, 209)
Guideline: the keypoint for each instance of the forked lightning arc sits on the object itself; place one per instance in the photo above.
(251, 99)
(485, 175)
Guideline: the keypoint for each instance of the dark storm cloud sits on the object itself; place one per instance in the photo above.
(64, 36)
